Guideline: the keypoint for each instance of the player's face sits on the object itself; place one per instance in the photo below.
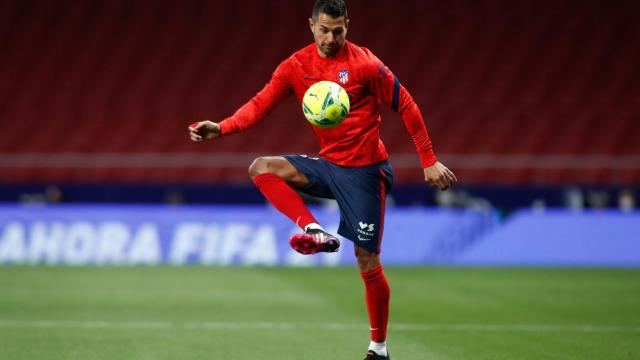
(329, 33)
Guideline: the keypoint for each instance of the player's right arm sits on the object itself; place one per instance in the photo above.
(251, 113)
(201, 130)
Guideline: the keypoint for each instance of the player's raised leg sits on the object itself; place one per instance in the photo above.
(377, 294)
(275, 176)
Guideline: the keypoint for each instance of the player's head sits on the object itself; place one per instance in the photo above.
(329, 24)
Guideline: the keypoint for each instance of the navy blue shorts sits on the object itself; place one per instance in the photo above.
(359, 191)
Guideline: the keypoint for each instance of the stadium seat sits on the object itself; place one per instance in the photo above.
(497, 79)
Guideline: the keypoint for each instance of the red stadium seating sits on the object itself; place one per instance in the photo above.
(493, 78)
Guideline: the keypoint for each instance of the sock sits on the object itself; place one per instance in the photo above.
(380, 348)
(377, 297)
(284, 198)
(313, 226)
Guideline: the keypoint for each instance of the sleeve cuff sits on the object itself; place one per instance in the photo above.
(427, 159)
(225, 127)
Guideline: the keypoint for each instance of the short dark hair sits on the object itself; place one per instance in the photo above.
(333, 8)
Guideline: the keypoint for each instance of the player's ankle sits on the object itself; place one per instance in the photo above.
(380, 348)
(313, 226)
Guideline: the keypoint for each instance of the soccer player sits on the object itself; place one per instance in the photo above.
(352, 167)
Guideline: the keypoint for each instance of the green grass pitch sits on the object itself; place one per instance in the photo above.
(316, 313)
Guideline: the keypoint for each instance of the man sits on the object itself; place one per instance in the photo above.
(352, 167)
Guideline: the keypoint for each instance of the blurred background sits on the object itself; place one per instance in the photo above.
(534, 105)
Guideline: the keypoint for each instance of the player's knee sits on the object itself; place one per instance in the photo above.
(367, 260)
(259, 166)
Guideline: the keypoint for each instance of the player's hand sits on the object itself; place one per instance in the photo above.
(437, 175)
(202, 130)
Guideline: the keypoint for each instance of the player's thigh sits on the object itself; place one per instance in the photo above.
(362, 204)
(279, 166)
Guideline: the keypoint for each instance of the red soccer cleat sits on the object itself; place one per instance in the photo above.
(314, 241)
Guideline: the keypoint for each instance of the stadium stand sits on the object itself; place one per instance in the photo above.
(522, 92)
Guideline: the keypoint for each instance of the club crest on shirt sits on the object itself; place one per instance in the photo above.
(343, 75)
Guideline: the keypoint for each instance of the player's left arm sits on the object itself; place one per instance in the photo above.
(391, 92)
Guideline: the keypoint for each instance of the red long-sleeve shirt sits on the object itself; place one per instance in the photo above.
(355, 142)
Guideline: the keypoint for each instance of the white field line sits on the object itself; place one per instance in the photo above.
(168, 325)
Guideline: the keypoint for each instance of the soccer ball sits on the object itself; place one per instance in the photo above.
(325, 104)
